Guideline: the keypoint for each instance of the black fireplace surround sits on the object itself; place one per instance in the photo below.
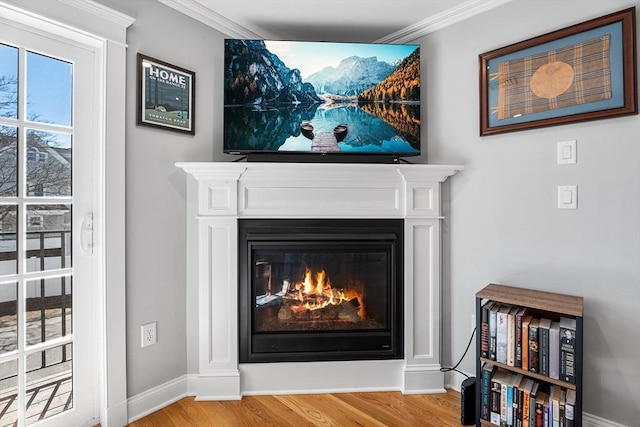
(320, 289)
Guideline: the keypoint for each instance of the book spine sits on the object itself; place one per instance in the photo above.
(510, 405)
(501, 338)
(569, 415)
(511, 339)
(525, 346)
(503, 404)
(494, 402)
(533, 349)
(484, 332)
(567, 355)
(493, 326)
(543, 349)
(486, 393)
(519, 408)
(554, 351)
(518, 356)
(539, 414)
(526, 404)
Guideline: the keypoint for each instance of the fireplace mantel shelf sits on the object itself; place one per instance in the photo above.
(219, 193)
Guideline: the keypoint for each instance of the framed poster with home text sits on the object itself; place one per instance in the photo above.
(166, 95)
(583, 72)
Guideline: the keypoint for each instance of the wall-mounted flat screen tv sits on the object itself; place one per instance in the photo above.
(321, 98)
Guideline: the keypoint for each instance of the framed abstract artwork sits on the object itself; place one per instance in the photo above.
(165, 95)
(583, 72)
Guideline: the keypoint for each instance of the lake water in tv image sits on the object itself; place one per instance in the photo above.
(283, 129)
(322, 97)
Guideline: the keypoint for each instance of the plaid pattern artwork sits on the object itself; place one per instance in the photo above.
(572, 75)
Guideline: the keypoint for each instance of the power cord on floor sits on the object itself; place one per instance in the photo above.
(449, 369)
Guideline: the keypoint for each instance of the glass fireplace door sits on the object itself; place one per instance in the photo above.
(334, 295)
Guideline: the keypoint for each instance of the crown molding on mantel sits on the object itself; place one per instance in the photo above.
(451, 16)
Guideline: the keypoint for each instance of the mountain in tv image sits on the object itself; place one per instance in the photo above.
(370, 92)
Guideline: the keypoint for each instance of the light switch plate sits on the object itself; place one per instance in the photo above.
(567, 197)
(567, 152)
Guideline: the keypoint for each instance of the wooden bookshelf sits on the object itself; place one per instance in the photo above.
(549, 304)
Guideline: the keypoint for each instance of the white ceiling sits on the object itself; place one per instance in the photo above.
(392, 21)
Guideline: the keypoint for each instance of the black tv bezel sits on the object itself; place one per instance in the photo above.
(318, 156)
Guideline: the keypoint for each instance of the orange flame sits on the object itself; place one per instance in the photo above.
(317, 293)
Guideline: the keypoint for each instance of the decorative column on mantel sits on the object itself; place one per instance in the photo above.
(218, 194)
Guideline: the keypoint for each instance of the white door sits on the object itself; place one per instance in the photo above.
(48, 368)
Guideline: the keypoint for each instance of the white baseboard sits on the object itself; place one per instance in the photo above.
(165, 394)
(157, 398)
(589, 420)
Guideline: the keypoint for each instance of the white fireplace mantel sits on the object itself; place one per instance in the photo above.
(218, 194)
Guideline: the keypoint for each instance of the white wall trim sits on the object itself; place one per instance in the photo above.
(589, 420)
(101, 11)
(448, 17)
(158, 397)
(208, 17)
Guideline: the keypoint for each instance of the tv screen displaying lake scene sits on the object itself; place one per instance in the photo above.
(321, 97)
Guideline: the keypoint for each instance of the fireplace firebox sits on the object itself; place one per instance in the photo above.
(320, 289)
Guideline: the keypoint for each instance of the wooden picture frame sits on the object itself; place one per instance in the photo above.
(166, 95)
(583, 72)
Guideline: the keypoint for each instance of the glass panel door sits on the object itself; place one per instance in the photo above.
(43, 276)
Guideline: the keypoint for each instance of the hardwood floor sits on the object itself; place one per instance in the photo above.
(339, 410)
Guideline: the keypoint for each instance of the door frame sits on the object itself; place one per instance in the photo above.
(103, 31)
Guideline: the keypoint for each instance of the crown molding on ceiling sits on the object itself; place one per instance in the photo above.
(101, 11)
(442, 20)
(214, 20)
(451, 16)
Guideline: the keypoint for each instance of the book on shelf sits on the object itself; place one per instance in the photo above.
(567, 349)
(495, 401)
(493, 327)
(488, 370)
(543, 345)
(569, 408)
(554, 406)
(542, 402)
(563, 397)
(527, 388)
(504, 387)
(484, 329)
(554, 350)
(525, 341)
(533, 346)
(532, 404)
(512, 398)
(501, 333)
(511, 336)
(520, 314)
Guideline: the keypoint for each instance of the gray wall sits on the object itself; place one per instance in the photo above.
(155, 188)
(502, 223)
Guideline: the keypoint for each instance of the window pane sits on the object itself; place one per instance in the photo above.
(8, 81)
(49, 383)
(48, 309)
(9, 392)
(8, 319)
(48, 90)
(48, 237)
(48, 164)
(8, 239)
(8, 161)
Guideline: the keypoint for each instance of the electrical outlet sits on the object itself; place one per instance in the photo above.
(149, 334)
(473, 322)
